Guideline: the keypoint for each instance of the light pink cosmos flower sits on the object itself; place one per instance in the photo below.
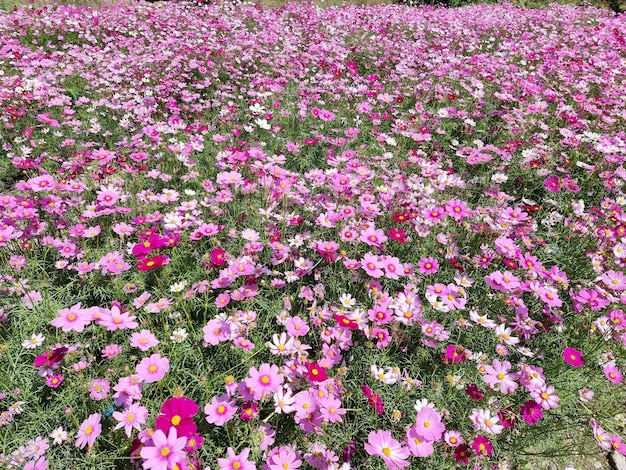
(373, 236)
(114, 319)
(428, 424)
(220, 410)
(73, 319)
(99, 389)
(418, 446)
(381, 444)
(42, 183)
(89, 430)
(215, 331)
(144, 340)
(545, 396)
(37, 464)
(153, 368)
(331, 410)
(165, 451)
(498, 377)
(131, 418)
(614, 280)
(613, 374)
(236, 462)
(283, 458)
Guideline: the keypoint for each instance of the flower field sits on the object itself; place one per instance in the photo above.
(245, 238)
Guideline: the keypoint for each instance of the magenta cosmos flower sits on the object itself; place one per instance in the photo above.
(236, 462)
(89, 430)
(573, 357)
(178, 413)
(264, 381)
(153, 368)
(381, 444)
(165, 451)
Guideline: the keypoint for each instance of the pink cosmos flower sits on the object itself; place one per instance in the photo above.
(613, 374)
(296, 326)
(457, 209)
(37, 464)
(418, 446)
(264, 381)
(89, 430)
(236, 462)
(42, 183)
(165, 451)
(372, 266)
(381, 444)
(220, 410)
(131, 418)
(428, 424)
(545, 396)
(114, 319)
(283, 458)
(53, 381)
(153, 368)
(99, 389)
(331, 410)
(73, 319)
(373, 236)
(498, 377)
(428, 265)
(143, 340)
(215, 331)
(614, 280)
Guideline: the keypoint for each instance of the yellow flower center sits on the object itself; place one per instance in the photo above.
(175, 420)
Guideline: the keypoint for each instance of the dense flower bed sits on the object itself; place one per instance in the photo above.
(247, 238)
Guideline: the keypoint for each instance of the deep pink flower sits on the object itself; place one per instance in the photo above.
(552, 184)
(482, 446)
(531, 411)
(315, 373)
(573, 357)
(178, 413)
